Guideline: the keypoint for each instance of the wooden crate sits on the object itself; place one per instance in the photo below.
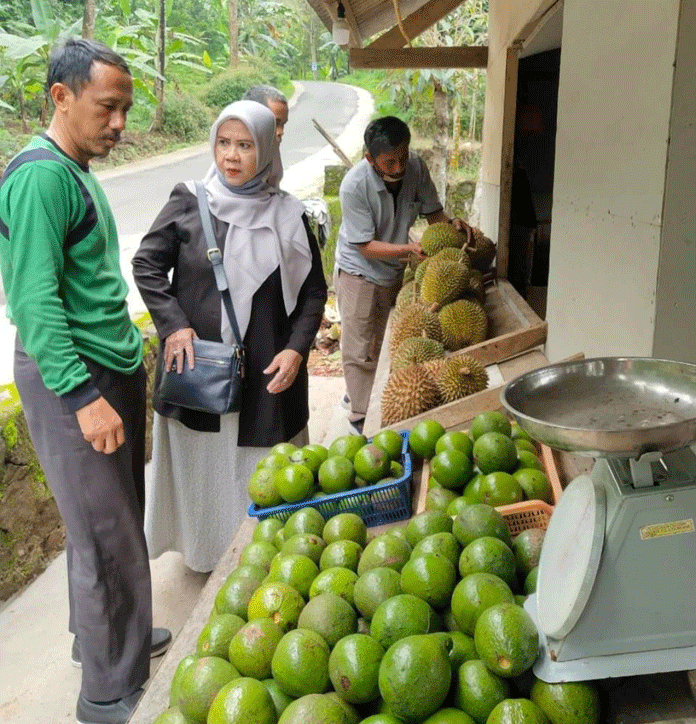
(518, 516)
(514, 327)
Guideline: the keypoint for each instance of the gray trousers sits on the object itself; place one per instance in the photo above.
(101, 500)
(364, 309)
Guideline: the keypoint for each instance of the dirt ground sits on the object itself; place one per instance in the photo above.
(29, 518)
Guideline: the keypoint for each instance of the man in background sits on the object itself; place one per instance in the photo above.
(277, 103)
(381, 198)
(78, 369)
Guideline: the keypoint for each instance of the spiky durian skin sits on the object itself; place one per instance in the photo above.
(408, 294)
(420, 271)
(413, 320)
(443, 282)
(449, 253)
(463, 323)
(440, 235)
(409, 391)
(482, 252)
(432, 366)
(414, 350)
(459, 376)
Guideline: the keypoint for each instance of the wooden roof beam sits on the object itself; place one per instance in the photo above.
(471, 56)
(354, 27)
(414, 24)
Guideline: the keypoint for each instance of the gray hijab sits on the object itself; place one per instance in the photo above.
(265, 227)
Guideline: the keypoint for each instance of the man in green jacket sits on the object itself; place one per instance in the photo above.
(78, 368)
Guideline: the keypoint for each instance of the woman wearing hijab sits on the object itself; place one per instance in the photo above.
(201, 462)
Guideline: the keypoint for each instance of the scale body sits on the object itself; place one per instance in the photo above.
(616, 593)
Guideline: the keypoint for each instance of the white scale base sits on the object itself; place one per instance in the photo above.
(605, 667)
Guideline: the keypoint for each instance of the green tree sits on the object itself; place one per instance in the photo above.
(137, 42)
(447, 93)
(88, 19)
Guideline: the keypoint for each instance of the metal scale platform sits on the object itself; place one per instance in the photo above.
(616, 593)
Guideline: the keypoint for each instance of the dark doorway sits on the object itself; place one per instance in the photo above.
(532, 182)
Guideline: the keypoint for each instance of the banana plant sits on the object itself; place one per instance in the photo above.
(24, 56)
(137, 43)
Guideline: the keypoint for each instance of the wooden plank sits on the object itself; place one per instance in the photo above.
(423, 477)
(156, 697)
(507, 159)
(414, 24)
(453, 413)
(543, 14)
(472, 56)
(548, 460)
(499, 348)
(518, 302)
(353, 22)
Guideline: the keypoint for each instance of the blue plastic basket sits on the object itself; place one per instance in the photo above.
(375, 504)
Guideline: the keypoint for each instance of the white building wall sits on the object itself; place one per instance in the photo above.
(614, 107)
(675, 327)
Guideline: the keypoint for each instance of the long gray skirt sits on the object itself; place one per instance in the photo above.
(197, 496)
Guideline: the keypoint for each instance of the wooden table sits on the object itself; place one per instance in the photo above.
(659, 698)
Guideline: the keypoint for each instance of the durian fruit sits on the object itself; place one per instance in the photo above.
(475, 288)
(408, 294)
(482, 250)
(440, 235)
(443, 282)
(414, 350)
(408, 392)
(463, 323)
(414, 320)
(458, 376)
(449, 253)
(409, 272)
(433, 366)
(420, 271)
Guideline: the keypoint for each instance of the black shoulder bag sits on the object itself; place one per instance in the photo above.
(216, 381)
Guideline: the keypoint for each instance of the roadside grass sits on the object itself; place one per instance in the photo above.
(372, 81)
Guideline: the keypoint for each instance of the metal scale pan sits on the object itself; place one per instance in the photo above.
(610, 548)
(608, 406)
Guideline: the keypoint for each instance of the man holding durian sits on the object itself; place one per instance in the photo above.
(381, 198)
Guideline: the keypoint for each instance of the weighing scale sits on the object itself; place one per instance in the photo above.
(616, 593)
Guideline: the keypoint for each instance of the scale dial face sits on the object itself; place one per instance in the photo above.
(570, 556)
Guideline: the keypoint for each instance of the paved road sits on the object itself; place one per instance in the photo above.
(136, 198)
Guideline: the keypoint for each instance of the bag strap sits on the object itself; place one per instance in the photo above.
(215, 256)
(85, 225)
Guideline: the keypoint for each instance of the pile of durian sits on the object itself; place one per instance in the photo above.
(439, 310)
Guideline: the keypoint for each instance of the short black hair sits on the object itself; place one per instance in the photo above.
(263, 94)
(71, 63)
(385, 134)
